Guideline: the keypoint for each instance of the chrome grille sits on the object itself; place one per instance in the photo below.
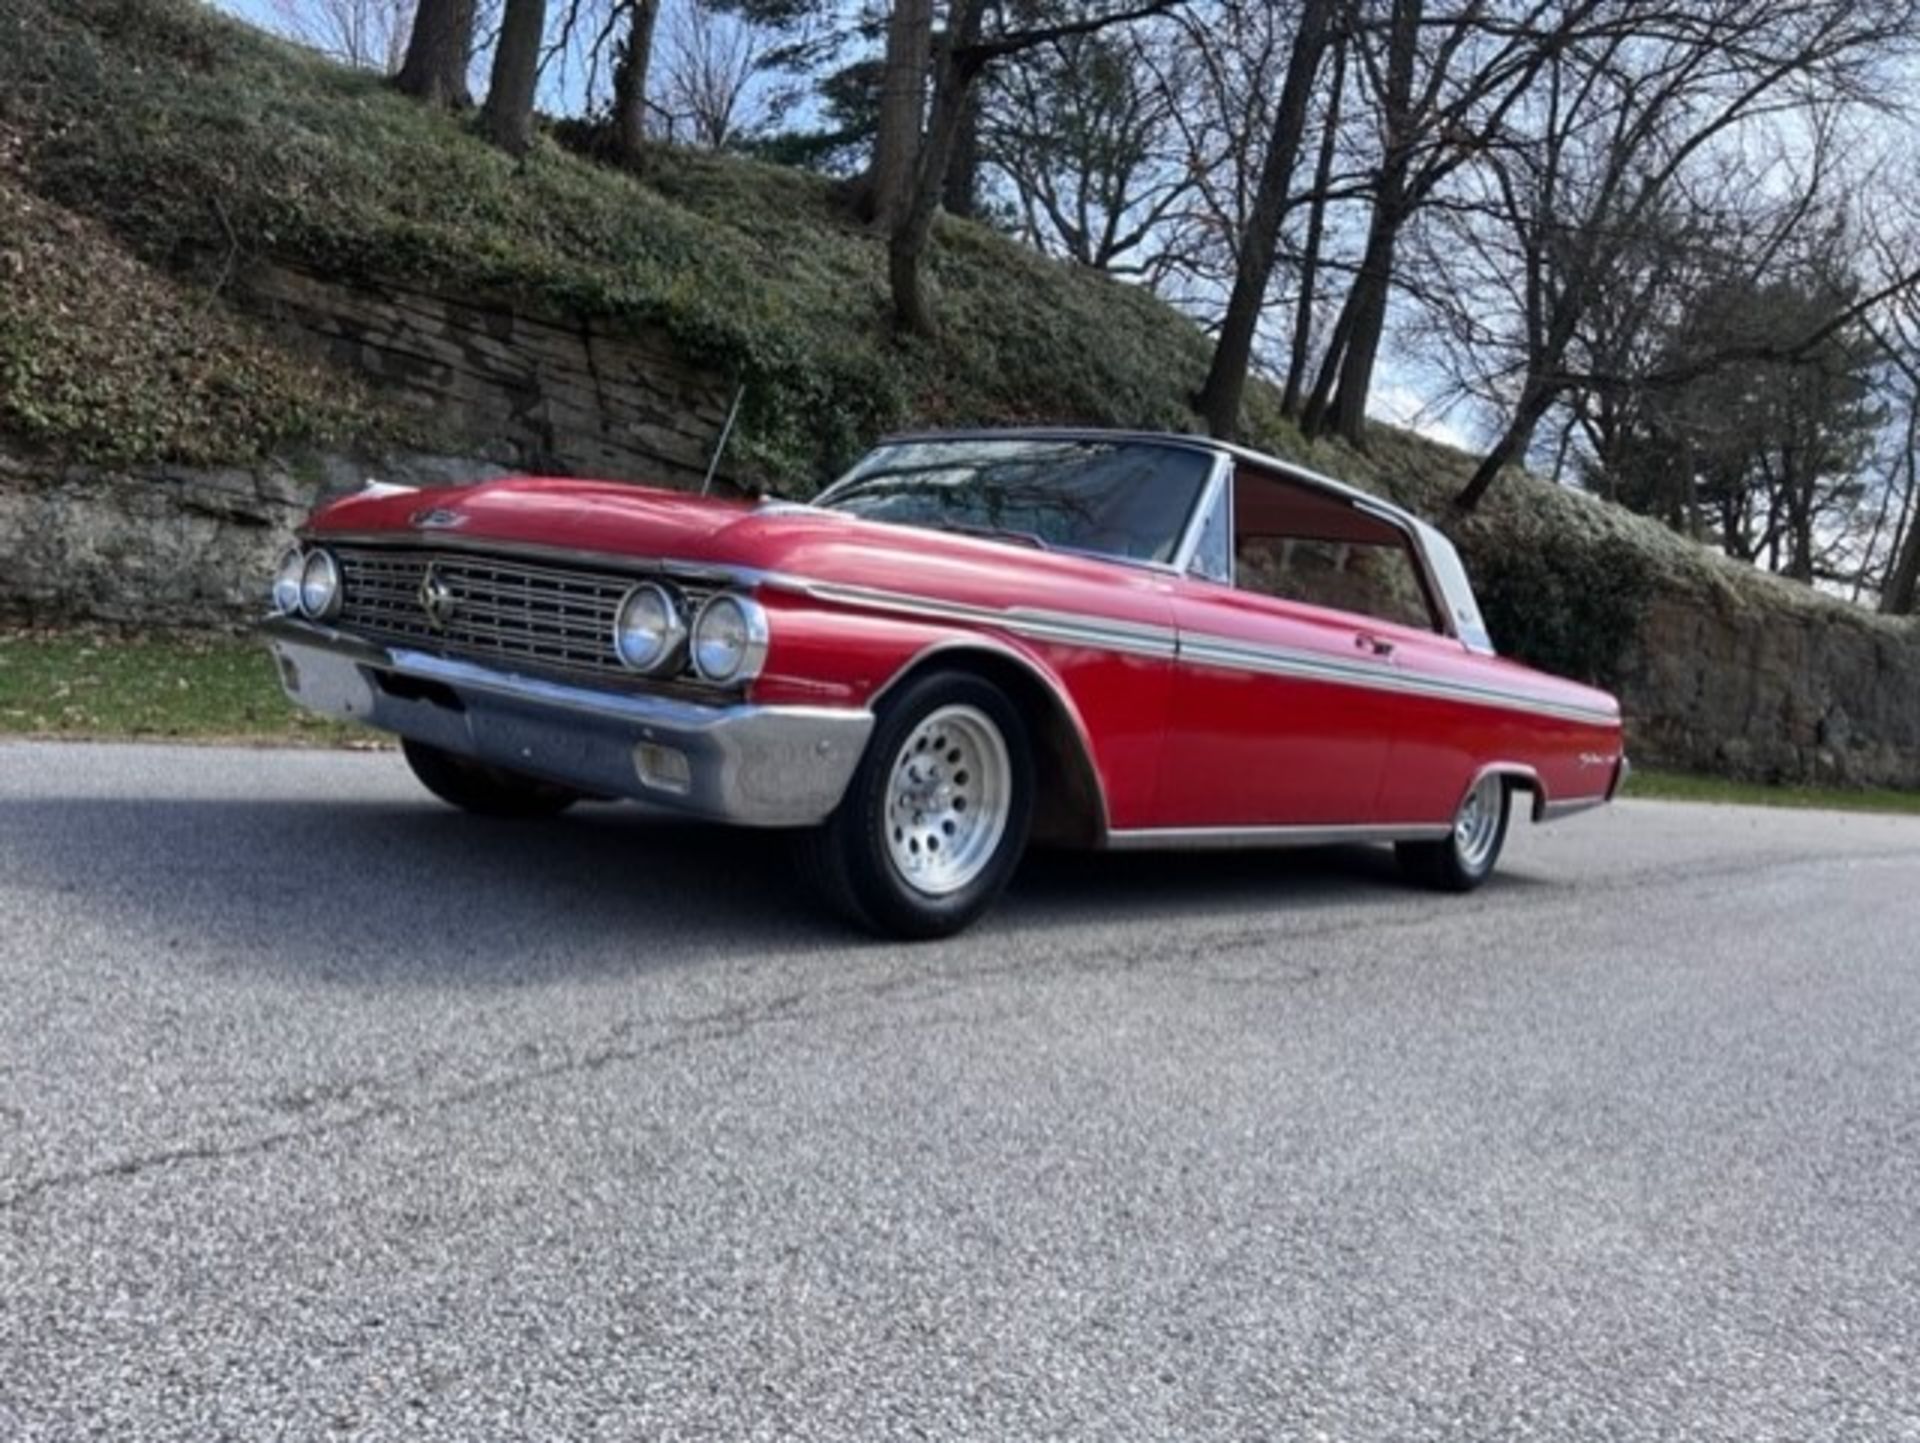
(545, 617)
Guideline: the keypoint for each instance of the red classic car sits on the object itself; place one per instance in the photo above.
(970, 640)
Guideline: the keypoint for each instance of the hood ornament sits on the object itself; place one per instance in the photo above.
(437, 518)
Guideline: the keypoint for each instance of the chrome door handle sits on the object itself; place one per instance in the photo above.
(1378, 645)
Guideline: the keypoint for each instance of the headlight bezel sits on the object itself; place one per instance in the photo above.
(752, 644)
(674, 630)
(328, 607)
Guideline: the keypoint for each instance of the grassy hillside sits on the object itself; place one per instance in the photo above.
(224, 144)
(150, 149)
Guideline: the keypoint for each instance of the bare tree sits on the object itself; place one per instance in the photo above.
(708, 66)
(366, 34)
(963, 53)
(1219, 398)
(1618, 127)
(1084, 130)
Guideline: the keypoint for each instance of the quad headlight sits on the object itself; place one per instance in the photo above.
(286, 582)
(729, 639)
(648, 630)
(320, 586)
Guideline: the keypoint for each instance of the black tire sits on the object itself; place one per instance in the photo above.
(485, 790)
(1444, 866)
(848, 862)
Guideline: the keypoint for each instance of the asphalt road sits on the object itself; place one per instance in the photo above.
(328, 1112)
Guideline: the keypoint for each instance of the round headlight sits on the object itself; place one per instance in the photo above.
(730, 639)
(647, 630)
(286, 581)
(320, 585)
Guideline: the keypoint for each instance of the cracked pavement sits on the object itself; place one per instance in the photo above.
(328, 1112)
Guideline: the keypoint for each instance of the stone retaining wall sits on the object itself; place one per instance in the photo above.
(528, 392)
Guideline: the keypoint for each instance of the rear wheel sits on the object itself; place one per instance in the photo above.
(1467, 856)
(478, 787)
(936, 818)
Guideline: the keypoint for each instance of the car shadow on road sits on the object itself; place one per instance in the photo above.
(350, 890)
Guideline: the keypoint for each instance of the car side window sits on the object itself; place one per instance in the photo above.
(1297, 543)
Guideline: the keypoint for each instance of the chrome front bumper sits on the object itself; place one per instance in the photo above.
(757, 766)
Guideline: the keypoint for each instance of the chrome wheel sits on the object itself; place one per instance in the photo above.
(949, 794)
(1476, 830)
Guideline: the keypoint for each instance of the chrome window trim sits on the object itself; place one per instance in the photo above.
(1184, 543)
(1218, 491)
(1474, 639)
(1137, 839)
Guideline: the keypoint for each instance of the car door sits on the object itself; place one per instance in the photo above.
(1286, 703)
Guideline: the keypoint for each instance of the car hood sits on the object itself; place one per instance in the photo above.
(617, 519)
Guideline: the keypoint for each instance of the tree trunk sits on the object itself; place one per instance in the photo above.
(1372, 287)
(1313, 416)
(959, 194)
(630, 81)
(1898, 596)
(1219, 398)
(1316, 230)
(507, 117)
(1535, 401)
(903, 109)
(438, 53)
(907, 241)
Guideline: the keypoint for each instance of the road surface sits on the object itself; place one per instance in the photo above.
(328, 1112)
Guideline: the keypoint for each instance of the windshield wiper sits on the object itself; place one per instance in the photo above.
(991, 533)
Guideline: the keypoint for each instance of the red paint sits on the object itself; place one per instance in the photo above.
(1174, 742)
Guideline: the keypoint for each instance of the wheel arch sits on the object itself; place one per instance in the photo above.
(1519, 777)
(1070, 807)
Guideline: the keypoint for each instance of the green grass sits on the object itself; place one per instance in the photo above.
(1687, 787)
(163, 685)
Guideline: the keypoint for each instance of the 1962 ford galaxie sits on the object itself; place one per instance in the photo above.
(970, 640)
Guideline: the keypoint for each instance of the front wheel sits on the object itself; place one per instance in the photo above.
(936, 818)
(488, 790)
(1467, 857)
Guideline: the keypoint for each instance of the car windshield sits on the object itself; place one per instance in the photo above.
(1126, 499)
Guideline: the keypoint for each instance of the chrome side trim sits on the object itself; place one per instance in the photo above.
(1378, 676)
(1147, 839)
(1133, 638)
(1038, 624)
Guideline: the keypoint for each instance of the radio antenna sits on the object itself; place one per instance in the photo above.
(720, 446)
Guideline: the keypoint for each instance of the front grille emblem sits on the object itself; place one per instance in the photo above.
(437, 600)
(437, 518)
